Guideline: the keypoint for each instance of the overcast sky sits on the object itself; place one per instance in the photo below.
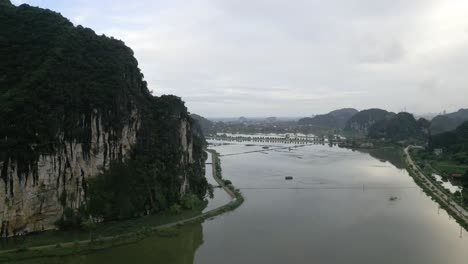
(291, 57)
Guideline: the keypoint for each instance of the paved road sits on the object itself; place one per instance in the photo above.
(446, 200)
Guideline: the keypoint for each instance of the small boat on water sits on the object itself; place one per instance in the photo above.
(393, 198)
(265, 147)
(288, 178)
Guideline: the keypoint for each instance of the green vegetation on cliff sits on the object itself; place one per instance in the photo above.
(454, 145)
(402, 126)
(54, 77)
(455, 141)
(204, 124)
(448, 122)
(362, 121)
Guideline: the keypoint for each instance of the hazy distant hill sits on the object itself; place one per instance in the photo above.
(455, 142)
(402, 126)
(362, 121)
(448, 122)
(205, 125)
(334, 119)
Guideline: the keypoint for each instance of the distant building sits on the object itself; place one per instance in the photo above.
(438, 152)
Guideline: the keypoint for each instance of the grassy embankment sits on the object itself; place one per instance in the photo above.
(58, 243)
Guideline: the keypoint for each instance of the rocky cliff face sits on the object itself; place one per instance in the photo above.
(35, 198)
(187, 152)
(72, 104)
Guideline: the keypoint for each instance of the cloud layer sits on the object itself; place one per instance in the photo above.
(291, 58)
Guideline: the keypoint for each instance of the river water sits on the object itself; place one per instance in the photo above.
(335, 210)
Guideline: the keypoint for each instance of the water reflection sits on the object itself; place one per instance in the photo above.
(179, 249)
(391, 155)
(334, 221)
(335, 210)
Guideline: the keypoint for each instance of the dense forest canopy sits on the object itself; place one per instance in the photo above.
(52, 73)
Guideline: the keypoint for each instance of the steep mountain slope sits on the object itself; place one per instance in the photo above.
(402, 126)
(455, 141)
(205, 125)
(448, 122)
(334, 119)
(362, 121)
(73, 105)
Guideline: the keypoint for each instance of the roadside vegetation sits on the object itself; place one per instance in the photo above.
(431, 164)
(434, 193)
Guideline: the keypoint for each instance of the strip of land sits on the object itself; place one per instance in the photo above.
(436, 190)
(236, 200)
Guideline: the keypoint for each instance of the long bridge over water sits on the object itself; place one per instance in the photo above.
(279, 139)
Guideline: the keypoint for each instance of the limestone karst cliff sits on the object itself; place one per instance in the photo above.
(362, 121)
(72, 104)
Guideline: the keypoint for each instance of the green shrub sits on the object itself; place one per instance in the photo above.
(70, 219)
(191, 202)
(227, 182)
(175, 209)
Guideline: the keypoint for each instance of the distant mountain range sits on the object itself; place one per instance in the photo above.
(448, 122)
(375, 122)
(334, 119)
(206, 126)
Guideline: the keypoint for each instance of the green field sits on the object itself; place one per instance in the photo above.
(448, 167)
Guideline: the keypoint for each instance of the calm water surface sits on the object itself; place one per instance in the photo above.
(335, 210)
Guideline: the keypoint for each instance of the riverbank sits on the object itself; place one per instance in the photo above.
(89, 245)
(435, 190)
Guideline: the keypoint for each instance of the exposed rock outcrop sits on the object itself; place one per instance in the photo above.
(34, 199)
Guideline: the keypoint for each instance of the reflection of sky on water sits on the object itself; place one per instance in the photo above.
(335, 210)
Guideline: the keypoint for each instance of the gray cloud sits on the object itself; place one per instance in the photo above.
(279, 57)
